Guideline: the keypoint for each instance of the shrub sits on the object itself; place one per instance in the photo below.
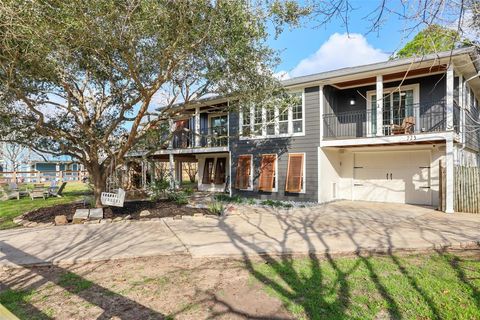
(216, 208)
(188, 191)
(158, 189)
(276, 204)
(179, 197)
(226, 198)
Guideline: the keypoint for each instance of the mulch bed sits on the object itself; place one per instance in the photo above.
(158, 209)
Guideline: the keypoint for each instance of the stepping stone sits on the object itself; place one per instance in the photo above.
(61, 220)
(96, 214)
(80, 215)
(144, 213)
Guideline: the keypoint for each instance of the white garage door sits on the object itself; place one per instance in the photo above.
(394, 176)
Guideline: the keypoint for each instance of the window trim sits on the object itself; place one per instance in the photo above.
(277, 123)
(251, 171)
(304, 173)
(275, 187)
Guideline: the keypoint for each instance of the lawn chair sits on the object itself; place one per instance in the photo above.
(38, 191)
(407, 126)
(10, 194)
(57, 192)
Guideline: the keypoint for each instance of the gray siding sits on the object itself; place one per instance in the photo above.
(282, 146)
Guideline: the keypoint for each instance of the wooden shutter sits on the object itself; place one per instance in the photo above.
(242, 178)
(220, 170)
(267, 172)
(207, 171)
(294, 172)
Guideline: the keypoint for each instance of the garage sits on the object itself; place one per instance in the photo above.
(393, 176)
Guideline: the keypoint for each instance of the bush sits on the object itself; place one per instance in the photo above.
(216, 208)
(276, 204)
(226, 198)
(179, 197)
(158, 189)
(188, 191)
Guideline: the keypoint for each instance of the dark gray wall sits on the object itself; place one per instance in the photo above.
(281, 147)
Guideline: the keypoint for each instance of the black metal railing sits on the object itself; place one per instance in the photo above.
(408, 119)
(208, 137)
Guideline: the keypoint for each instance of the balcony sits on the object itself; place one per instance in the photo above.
(213, 137)
(407, 119)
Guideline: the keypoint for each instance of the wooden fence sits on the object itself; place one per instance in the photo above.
(466, 189)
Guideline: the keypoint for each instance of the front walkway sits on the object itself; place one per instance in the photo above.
(337, 228)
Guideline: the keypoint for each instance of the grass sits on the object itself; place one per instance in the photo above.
(74, 283)
(429, 286)
(10, 209)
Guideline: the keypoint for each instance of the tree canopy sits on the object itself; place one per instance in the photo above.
(434, 38)
(81, 77)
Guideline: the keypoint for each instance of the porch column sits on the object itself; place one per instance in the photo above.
(322, 106)
(379, 110)
(170, 156)
(449, 99)
(197, 127)
(449, 175)
(462, 109)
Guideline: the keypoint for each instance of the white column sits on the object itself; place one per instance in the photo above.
(322, 107)
(461, 101)
(197, 127)
(379, 105)
(172, 171)
(449, 176)
(449, 99)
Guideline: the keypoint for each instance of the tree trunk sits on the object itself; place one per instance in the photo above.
(99, 181)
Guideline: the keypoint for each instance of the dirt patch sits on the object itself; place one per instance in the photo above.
(148, 288)
(157, 209)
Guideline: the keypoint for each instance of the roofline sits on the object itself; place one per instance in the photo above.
(348, 71)
(322, 76)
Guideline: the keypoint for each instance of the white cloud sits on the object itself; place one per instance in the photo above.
(339, 51)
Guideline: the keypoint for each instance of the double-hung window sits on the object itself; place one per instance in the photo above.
(268, 173)
(297, 113)
(246, 122)
(295, 173)
(283, 120)
(257, 121)
(243, 178)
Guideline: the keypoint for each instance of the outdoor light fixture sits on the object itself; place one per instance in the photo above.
(352, 101)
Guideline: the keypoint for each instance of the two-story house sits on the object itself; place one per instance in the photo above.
(377, 132)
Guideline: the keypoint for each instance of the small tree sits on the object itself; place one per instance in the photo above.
(191, 168)
(80, 77)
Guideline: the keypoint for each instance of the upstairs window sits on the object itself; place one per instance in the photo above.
(295, 173)
(297, 113)
(285, 118)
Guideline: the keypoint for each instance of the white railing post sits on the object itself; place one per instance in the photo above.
(197, 127)
(379, 89)
(449, 99)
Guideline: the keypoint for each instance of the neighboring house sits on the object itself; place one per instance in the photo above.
(376, 132)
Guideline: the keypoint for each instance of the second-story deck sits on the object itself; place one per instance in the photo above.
(406, 119)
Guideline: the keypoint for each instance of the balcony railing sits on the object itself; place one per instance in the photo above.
(211, 137)
(409, 119)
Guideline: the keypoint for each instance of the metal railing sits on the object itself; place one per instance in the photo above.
(42, 176)
(209, 137)
(408, 119)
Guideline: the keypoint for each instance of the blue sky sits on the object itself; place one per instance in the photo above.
(303, 43)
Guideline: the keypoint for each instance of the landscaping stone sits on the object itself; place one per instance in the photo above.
(61, 220)
(198, 215)
(177, 217)
(128, 217)
(108, 220)
(117, 219)
(156, 219)
(96, 213)
(145, 213)
(92, 222)
(18, 220)
(80, 215)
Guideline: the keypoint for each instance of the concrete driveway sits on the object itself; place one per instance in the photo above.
(337, 228)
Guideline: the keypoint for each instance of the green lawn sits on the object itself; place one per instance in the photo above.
(428, 286)
(12, 208)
